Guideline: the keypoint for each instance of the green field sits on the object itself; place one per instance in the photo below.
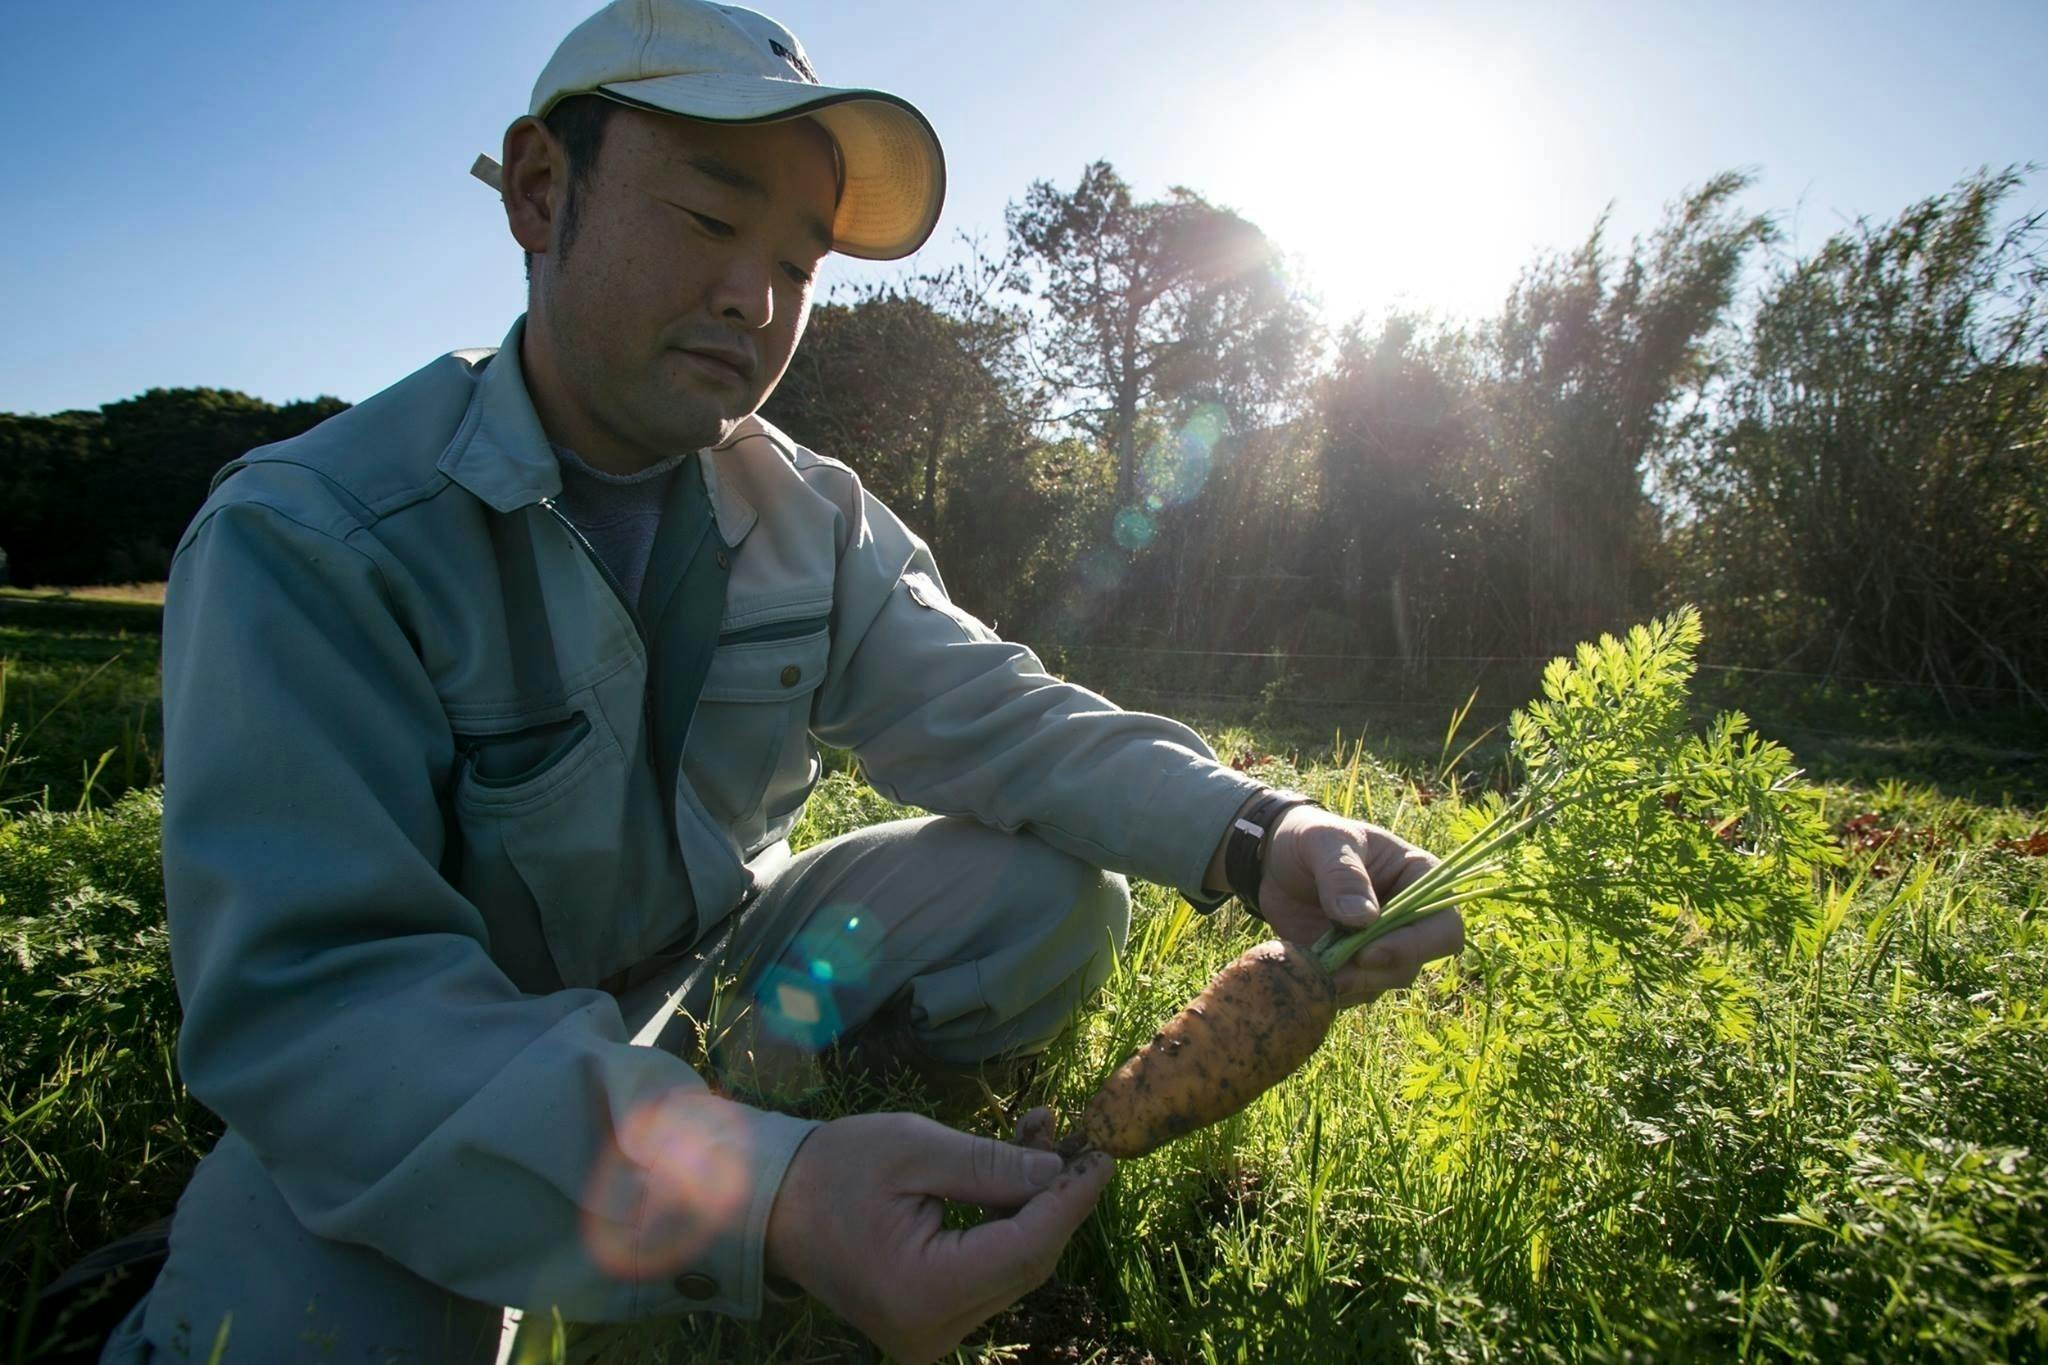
(1829, 1151)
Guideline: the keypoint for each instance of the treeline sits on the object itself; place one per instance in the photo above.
(102, 497)
(1126, 425)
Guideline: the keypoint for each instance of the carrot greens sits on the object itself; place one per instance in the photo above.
(1627, 821)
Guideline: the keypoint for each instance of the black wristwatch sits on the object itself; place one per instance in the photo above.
(1251, 837)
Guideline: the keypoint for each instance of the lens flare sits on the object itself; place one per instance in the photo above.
(1171, 471)
(836, 951)
(670, 1183)
(796, 1008)
(1178, 467)
(1101, 569)
(1133, 530)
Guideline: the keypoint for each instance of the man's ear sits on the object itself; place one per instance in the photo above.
(536, 172)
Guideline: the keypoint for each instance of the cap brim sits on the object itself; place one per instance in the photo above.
(895, 168)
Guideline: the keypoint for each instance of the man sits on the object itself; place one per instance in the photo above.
(488, 707)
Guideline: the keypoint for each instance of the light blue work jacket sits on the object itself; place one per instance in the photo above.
(412, 818)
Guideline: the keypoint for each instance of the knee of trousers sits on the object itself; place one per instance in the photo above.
(1107, 903)
(1043, 967)
(1098, 919)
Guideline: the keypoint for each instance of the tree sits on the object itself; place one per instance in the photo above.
(103, 496)
(915, 384)
(1174, 302)
(1589, 367)
(50, 470)
(1393, 516)
(902, 377)
(1875, 498)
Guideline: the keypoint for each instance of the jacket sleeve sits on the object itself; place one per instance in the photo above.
(342, 1011)
(947, 716)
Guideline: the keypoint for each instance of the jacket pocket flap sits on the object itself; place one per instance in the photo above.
(768, 670)
(516, 757)
(543, 762)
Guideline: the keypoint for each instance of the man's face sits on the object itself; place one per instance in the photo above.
(687, 284)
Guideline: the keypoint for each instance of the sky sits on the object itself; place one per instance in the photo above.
(274, 197)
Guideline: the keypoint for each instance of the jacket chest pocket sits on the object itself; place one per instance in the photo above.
(555, 837)
(751, 733)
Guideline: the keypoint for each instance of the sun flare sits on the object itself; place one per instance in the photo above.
(1394, 185)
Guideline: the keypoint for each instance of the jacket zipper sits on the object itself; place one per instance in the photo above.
(632, 615)
(597, 560)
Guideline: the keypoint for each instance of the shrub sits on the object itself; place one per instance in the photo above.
(100, 1134)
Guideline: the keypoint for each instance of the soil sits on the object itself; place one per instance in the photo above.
(1060, 1324)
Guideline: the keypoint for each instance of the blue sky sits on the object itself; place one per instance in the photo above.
(273, 197)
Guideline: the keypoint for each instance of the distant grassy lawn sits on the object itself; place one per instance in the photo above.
(1832, 1154)
(80, 684)
(102, 592)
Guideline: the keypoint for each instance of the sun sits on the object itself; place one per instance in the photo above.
(1391, 184)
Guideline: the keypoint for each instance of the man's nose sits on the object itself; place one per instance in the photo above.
(746, 292)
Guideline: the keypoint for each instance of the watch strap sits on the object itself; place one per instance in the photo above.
(1251, 839)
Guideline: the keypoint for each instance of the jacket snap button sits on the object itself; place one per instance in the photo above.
(696, 1286)
(724, 560)
(790, 675)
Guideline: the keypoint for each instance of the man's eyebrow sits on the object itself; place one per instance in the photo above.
(713, 167)
(725, 173)
(820, 234)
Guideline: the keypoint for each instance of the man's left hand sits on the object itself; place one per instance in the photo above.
(1324, 870)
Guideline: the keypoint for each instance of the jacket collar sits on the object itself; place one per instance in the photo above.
(501, 454)
(735, 515)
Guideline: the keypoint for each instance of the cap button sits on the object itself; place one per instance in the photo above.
(696, 1286)
(790, 675)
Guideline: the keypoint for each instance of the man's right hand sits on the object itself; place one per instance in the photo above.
(858, 1222)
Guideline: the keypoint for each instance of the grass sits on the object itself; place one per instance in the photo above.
(79, 711)
(149, 593)
(1830, 1152)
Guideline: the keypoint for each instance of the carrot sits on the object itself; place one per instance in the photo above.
(1252, 1025)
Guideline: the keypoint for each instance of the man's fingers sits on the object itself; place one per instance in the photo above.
(1035, 1128)
(979, 1170)
(860, 1223)
(1343, 887)
(1018, 1252)
(980, 1271)
(1397, 863)
(1054, 1214)
(1394, 961)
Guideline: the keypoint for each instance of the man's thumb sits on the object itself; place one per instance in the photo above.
(979, 1170)
(1343, 886)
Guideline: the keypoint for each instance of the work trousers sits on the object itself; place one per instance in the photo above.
(982, 943)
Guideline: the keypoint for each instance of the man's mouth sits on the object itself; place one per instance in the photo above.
(723, 365)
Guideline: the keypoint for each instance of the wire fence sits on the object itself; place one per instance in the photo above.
(1255, 697)
(1443, 707)
(1400, 692)
(1416, 663)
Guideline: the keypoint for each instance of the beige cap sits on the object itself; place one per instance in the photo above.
(730, 65)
